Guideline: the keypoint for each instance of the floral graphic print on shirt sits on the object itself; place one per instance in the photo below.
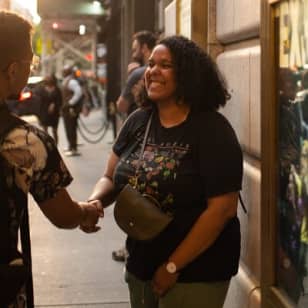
(158, 168)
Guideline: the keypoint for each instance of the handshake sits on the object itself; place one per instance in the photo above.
(91, 212)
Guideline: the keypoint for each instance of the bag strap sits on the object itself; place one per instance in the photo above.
(26, 250)
(144, 142)
(242, 203)
(7, 123)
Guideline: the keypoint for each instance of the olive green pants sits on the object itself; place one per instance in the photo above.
(182, 295)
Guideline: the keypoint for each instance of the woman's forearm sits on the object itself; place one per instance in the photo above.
(206, 229)
(103, 191)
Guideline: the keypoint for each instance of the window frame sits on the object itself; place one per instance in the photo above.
(272, 295)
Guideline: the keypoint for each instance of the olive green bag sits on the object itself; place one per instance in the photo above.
(139, 215)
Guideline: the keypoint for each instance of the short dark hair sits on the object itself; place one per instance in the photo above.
(145, 37)
(15, 32)
(199, 82)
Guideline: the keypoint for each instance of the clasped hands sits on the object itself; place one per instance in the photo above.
(92, 211)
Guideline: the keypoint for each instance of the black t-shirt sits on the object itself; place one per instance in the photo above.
(182, 166)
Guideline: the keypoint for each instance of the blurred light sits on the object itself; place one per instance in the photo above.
(101, 50)
(25, 95)
(78, 73)
(55, 25)
(36, 19)
(96, 4)
(89, 57)
(82, 29)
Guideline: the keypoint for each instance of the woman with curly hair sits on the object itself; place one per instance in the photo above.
(192, 165)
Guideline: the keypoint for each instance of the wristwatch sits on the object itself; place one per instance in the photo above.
(171, 267)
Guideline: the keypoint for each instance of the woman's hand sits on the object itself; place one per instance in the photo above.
(163, 280)
(92, 212)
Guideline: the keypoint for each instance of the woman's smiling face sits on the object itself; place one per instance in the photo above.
(160, 75)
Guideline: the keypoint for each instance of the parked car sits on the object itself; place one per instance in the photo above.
(28, 102)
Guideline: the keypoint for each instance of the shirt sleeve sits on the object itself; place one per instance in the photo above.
(74, 86)
(133, 125)
(53, 176)
(221, 157)
(35, 162)
(133, 78)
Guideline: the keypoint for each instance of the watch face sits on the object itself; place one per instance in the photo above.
(171, 267)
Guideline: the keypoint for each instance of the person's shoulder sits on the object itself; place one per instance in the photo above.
(139, 115)
(26, 138)
(37, 134)
(214, 124)
(136, 74)
(74, 81)
(138, 71)
(211, 118)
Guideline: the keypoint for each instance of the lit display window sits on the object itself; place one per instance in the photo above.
(292, 263)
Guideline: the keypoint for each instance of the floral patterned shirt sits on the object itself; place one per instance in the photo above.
(30, 162)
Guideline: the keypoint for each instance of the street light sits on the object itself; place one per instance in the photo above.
(82, 29)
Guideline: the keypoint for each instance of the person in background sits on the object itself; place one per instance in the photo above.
(142, 45)
(51, 102)
(72, 104)
(29, 159)
(190, 264)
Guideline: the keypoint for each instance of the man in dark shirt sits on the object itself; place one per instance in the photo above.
(142, 45)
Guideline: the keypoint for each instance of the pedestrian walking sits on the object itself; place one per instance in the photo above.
(72, 105)
(51, 103)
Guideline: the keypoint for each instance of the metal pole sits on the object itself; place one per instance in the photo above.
(44, 49)
(94, 50)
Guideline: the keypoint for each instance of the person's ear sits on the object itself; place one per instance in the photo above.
(144, 48)
(12, 71)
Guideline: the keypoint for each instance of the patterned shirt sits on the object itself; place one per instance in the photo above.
(30, 162)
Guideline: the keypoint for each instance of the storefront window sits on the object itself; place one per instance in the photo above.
(292, 263)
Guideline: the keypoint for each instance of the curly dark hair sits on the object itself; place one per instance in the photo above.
(199, 82)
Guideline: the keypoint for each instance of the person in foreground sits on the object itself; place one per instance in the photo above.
(29, 159)
(192, 165)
